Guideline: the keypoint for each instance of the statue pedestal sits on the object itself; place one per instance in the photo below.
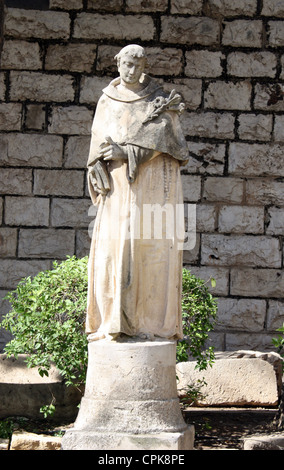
(130, 400)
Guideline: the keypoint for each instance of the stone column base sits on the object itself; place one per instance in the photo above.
(130, 400)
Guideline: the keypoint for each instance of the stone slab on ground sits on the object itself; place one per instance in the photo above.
(23, 391)
(267, 442)
(4, 444)
(242, 378)
(31, 441)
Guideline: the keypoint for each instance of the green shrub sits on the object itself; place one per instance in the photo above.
(279, 343)
(48, 313)
(199, 313)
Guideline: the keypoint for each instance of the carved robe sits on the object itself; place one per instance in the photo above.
(135, 274)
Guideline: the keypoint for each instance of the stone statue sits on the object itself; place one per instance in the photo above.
(136, 150)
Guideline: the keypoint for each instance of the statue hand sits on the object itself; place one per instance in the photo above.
(111, 151)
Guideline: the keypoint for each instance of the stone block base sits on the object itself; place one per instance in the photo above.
(91, 440)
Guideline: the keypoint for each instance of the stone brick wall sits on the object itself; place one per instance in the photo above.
(226, 58)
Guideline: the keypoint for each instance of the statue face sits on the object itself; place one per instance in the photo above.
(130, 69)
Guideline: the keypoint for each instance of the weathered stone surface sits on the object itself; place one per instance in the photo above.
(264, 94)
(31, 150)
(275, 315)
(191, 30)
(21, 55)
(105, 58)
(241, 219)
(205, 158)
(254, 64)
(190, 7)
(59, 183)
(242, 33)
(168, 61)
(272, 8)
(71, 120)
(221, 275)
(37, 86)
(276, 33)
(232, 8)
(256, 159)
(203, 64)
(66, 4)
(126, 380)
(255, 126)
(36, 24)
(215, 125)
(189, 89)
(95, 26)
(150, 5)
(228, 96)
(241, 314)
(264, 191)
(264, 442)
(111, 5)
(31, 441)
(35, 117)
(72, 57)
(228, 190)
(46, 243)
(4, 444)
(77, 151)
(2, 86)
(191, 188)
(206, 216)
(70, 213)
(236, 379)
(26, 211)
(16, 181)
(8, 241)
(10, 116)
(263, 282)
(240, 250)
(13, 270)
(91, 88)
(279, 129)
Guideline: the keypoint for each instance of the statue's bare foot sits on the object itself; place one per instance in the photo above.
(95, 336)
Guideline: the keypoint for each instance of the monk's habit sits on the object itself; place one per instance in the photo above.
(135, 263)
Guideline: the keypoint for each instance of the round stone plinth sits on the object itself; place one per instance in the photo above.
(130, 399)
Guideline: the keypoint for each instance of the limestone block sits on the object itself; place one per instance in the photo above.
(241, 250)
(35, 117)
(203, 64)
(168, 61)
(26, 211)
(275, 221)
(206, 216)
(228, 95)
(12, 270)
(10, 116)
(91, 88)
(4, 444)
(31, 150)
(276, 33)
(221, 275)
(226, 190)
(2, 86)
(105, 58)
(264, 442)
(272, 8)
(191, 7)
(254, 64)
(241, 219)
(232, 8)
(264, 191)
(95, 26)
(70, 213)
(256, 159)
(71, 57)
(21, 23)
(46, 243)
(37, 86)
(77, 151)
(66, 4)
(255, 126)
(191, 187)
(205, 158)
(71, 120)
(260, 341)
(83, 243)
(21, 55)
(16, 181)
(59, 183)
(208, 124)
(241, 378)
(275, 315)
(8, 242)
(190, 30)
(264, 283)
(31, 441)
(263, 94)
(111, 5)
(241, 314)
(151, 5)
(189, 89)
(279, 129)
(242, 33)
(130, 399)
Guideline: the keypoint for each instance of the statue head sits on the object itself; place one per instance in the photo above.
(131, 62)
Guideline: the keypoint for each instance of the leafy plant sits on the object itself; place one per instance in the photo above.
(47, 321)
(199, 314)
(279, 342)
(6, 428)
